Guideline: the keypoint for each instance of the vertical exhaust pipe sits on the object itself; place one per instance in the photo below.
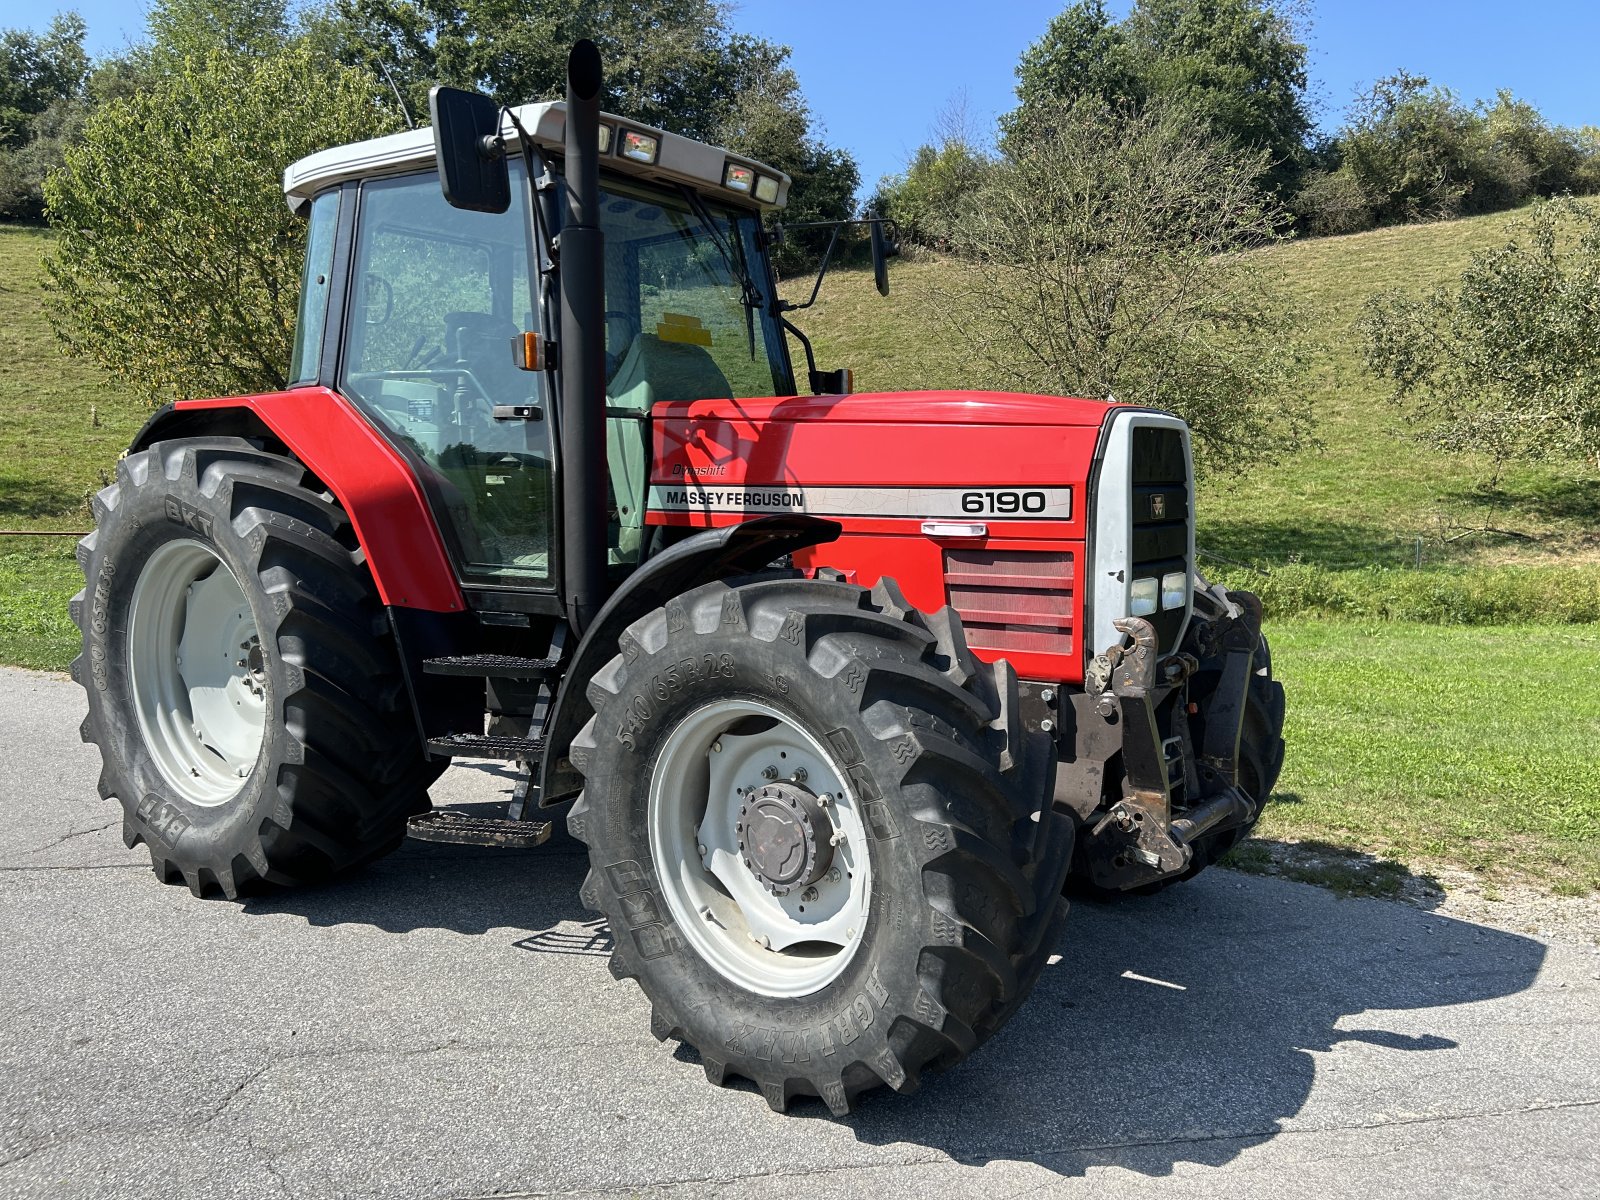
(583, 380)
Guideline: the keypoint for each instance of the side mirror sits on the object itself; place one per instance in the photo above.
(469, 151)
(882, 251)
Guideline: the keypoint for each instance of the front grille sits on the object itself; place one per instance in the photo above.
(1013, 601)
(1160, 515)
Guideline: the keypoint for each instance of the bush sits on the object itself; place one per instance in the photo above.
(1506, 363)
(927, 202)
(1332, 202)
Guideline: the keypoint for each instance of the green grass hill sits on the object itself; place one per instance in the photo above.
(1365, 495)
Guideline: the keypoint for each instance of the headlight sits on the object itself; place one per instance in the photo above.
(1174, 589)
(766, 189)
(640, 147)
(1143, 596)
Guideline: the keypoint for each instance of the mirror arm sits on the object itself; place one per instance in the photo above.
(816, 285)
(827, 256)
(805, 342)
(534, 163)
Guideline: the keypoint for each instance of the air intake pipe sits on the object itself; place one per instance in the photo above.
(583, 428)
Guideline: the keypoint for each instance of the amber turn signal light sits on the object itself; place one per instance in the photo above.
(528, 352)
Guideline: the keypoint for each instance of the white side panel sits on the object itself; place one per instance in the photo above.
(1113, 526)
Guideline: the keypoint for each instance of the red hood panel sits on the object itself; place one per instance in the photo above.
(919, 408)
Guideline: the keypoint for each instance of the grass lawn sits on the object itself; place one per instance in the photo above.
(37, 578)
(62, 423)
(1472, 747)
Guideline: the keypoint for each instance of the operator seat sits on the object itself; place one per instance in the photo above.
(482, 343)
(652, 370)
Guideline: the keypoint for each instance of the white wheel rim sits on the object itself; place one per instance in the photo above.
(773, 945)
(197, 671)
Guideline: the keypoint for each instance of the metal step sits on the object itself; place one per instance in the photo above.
(487, 745)
(491, 666)
(459, 829)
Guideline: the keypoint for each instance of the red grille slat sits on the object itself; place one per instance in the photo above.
(1014, 601)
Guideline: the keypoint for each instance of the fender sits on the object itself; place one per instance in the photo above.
(376, 486)
(715, 554)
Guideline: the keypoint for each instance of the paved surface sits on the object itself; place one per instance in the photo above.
(444, 1025)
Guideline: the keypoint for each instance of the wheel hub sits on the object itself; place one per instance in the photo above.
(785, 837)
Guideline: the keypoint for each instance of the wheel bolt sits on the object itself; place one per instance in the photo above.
(769, 773)
(833, 875)
(799, 775)
(809, 895)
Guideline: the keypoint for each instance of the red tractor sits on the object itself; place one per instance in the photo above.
(839, 689)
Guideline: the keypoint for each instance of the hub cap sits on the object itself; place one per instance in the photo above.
(785, 837)
(198, 672)
(760, 848)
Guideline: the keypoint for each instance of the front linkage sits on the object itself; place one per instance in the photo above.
(1173, 792)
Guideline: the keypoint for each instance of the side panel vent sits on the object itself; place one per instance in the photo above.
(1013, 601)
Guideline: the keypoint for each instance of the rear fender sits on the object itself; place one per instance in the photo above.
(721, 553)
(372, 481)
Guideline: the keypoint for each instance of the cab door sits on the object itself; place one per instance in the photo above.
(437, 296)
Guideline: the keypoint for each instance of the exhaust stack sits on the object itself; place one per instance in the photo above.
(583, 429)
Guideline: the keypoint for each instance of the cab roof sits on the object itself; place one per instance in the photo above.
(679, 160)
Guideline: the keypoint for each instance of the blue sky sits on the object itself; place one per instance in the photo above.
(877, 71)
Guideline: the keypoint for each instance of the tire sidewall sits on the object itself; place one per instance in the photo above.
(155, 508)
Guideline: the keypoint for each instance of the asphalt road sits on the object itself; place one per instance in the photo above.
(444, 1025)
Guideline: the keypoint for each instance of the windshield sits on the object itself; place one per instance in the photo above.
(686, 301)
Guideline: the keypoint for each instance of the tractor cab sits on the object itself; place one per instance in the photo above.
(447, 332)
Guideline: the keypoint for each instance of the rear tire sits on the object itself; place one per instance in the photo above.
(928, 764)
(288, 764)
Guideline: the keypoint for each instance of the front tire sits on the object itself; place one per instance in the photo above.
(815, 974)
(243, 686)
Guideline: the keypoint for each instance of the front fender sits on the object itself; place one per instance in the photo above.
(720, 553)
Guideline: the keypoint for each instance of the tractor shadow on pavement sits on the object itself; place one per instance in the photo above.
(1177, 1028)
(465, 889)
(1182, 1027)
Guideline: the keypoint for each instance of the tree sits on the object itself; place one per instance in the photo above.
(178, 263)
(1114, 253)
(669, 63)
(1083, 53)
(927, 200)
(41, 88)
(1239, 66)
(1507, 362)
(182, 29)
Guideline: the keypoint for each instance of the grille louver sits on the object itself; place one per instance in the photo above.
(1013, 601)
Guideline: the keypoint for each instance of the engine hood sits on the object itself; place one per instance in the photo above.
(912, 408)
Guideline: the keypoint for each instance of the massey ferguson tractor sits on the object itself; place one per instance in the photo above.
(839, 690)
